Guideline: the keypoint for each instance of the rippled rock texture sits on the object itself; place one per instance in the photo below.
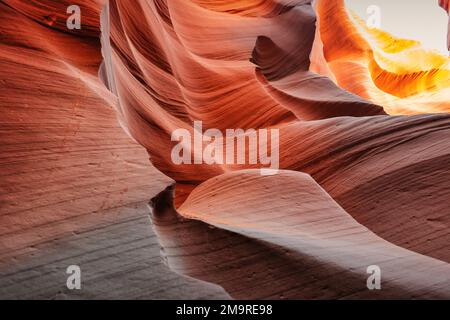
(87, 118)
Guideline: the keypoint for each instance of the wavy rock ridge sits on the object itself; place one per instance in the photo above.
(363, 153)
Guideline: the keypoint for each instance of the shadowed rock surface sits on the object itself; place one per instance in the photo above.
(85, 143)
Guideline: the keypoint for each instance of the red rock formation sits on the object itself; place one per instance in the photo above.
(285, 238)
(446, 6)
(395, 73)
(361, 182)
(73, 185)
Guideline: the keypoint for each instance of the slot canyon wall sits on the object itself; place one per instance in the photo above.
(87, 176)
